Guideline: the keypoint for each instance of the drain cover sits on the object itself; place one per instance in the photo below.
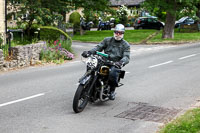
(146, 112)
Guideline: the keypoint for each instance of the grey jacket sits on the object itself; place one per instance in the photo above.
(117, 50)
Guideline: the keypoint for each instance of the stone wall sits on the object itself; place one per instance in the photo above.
(23, 56)
(1, 59)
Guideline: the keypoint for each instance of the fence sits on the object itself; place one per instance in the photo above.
(189, 28)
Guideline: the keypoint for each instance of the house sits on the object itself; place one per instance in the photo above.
(132, 5)
(2, 19)
(128, 3)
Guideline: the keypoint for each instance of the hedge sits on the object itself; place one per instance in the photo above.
(52, 33)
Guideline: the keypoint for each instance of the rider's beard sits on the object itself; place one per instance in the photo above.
(118, 37)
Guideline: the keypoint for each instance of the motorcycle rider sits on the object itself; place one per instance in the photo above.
(118, 50)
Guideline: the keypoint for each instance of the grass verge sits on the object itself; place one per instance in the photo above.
(187, 123)
(132, 36)
(139, 37)
(179, 37)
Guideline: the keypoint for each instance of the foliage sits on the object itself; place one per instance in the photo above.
(43, 12)
(93, 9)
(1, 40)
(52, 33)
(122, 14)
(56, 52)
(180, 9)
(172, 8)
(75, 18)
(18, 40)
(91, 5)
(187, 123)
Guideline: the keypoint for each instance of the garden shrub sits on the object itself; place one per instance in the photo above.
(74, 18)
(1, 40)
(51, 34)
(56, 51)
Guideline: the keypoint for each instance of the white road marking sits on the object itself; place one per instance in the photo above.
(188, 56)
(23, 99)
(127, 72)
(164, 63)
(75, 62)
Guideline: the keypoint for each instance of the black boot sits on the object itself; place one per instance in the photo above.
(112, 94)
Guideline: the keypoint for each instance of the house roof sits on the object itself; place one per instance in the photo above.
(126, 2)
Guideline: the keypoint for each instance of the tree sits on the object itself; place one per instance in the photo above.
(172, 8)
(92, 6)
(44, 12)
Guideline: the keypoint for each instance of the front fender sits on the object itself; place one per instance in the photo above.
(85, 79)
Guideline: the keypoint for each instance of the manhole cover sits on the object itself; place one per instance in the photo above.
(146, 112)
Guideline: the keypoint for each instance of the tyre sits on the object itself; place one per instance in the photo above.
(140, 28)
(80, 99)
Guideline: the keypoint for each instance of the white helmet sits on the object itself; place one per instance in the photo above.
(120, 27)
(119, 32)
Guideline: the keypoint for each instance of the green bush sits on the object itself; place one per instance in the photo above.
(56, 51)
(74, 18)
(1, 40)
(51, 34)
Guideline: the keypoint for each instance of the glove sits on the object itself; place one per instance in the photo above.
(119, 64)
(86, 54)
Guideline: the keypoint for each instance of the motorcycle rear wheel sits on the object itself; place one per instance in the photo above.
(80, 99)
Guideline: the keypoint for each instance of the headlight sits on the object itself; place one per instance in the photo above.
(92, 62)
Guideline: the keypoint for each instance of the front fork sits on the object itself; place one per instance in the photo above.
(89, 79)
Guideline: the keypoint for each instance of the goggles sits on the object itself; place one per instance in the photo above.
(119, 32)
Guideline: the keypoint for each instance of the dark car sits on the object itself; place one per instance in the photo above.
(184, 21)
(148, 23)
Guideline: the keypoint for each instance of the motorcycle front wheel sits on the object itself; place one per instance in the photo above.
(80, 99)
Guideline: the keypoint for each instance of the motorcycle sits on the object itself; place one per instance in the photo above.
(84, 25)
(105, 25)
(94, 84)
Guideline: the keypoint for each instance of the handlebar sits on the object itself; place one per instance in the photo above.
(104, 58)
(102, 54)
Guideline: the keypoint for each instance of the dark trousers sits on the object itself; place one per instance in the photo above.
(114, 77)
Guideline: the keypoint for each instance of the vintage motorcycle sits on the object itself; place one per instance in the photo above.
(85, 25)
(105, 25)
(94, 84)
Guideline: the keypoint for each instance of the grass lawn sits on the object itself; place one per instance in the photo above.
(179, 37)
(187, 123)
(132, 36)
(138, 36)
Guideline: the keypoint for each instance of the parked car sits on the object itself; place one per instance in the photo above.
(184, 21)
(148, 23)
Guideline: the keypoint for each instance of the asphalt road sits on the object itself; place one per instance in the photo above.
(161, 81)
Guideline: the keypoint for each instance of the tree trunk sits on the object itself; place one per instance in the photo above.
(168, 31)
(64, 16)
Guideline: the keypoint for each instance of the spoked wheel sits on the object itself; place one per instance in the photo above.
(80, 99)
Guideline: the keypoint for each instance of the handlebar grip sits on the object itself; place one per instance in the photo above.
(102, 54)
